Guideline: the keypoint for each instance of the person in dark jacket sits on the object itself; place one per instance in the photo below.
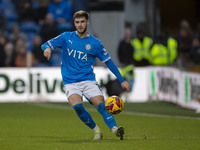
(125, 50)
(49, 29)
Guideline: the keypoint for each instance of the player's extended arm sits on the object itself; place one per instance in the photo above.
(113, 68)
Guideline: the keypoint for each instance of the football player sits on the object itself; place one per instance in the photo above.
(79, 50)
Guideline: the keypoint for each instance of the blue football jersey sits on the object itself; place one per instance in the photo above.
(78, 55)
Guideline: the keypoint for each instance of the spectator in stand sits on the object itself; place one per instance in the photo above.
(21, 59)
(2, 22)
(26, 12)
(197, 33)
(125, 50)
(1, 32)
(40, 60)
(49, 28)
(16, 34)
(62, 14)
(184, 39)
(18, 4)
(19, 44)
(22, 54)
(3, 41)
(41, 11)
(10, 55)
(195, 51)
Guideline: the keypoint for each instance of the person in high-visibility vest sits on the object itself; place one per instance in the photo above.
(172, 46)
(159, 53)
(128, 73)
(141, 45)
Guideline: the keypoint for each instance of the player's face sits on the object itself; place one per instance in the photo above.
(81, 25)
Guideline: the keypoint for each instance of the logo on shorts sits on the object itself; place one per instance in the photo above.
(88, 47)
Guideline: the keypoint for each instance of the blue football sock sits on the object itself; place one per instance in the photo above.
(84, 115)
(108, 118)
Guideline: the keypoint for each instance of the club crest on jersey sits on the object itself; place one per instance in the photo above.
(88, 47)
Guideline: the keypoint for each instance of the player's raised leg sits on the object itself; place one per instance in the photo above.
(76, 102)
(98, 102)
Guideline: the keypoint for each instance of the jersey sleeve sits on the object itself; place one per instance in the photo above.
(113, 68)
(102, 53)
(54, 43)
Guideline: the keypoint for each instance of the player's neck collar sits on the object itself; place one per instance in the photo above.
(85, 36)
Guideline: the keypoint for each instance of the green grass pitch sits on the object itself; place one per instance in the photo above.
(55, 126)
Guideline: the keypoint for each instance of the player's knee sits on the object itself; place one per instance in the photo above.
(78, 108)
(101, 107)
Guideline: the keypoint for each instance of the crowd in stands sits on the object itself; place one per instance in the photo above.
(26, 24)
(181, 51)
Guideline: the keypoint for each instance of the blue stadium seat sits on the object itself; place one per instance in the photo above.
(5, 1)
(68, 26)
(9, 25)
(30, 27)
(6, 6)
(7, 10)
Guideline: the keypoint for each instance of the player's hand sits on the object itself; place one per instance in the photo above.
(125, 85)
(47, 53)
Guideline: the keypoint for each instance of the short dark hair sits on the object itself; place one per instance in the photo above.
(80, 14)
